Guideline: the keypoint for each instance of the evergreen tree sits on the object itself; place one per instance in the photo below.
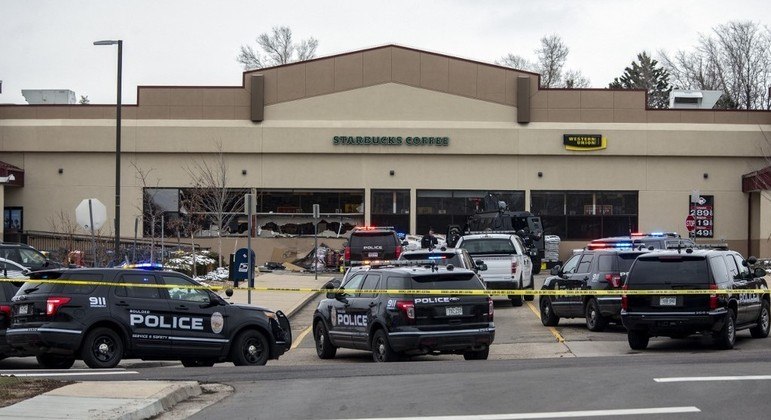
(646, 73)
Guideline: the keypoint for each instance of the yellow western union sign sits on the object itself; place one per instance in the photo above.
(584, 142)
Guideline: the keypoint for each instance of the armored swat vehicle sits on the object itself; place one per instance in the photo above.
(496, 217)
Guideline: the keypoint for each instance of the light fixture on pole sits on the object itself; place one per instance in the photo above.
(119, 43)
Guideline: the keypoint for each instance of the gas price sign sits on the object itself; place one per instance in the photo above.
(704, 213)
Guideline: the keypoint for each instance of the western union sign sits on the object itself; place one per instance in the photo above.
(584, 142)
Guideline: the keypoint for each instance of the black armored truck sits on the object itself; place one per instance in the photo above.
(496, 217)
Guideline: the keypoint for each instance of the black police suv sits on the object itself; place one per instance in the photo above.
(392, 325)
(678, 316)
(372, 243)
(587, 270)
(118, 313)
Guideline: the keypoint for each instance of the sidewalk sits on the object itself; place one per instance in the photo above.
(145, 399)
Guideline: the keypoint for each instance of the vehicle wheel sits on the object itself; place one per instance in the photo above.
(536, 266)
(726, 337)
(548, 318)
(516, 300)
(764, 322)
(198, 362)
(381, 349)
(594, 319)
(638, 340)
(250, 349)
(530, 298)
(324, 347)
(477, 355)
(51, 361)
(102, 349)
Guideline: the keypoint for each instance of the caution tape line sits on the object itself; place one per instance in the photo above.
(489, 292)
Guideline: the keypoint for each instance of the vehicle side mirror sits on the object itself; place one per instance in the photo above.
(555, 271)
(760, 272)
(229, 292)
(26, 272)
(622, 281)
(482, 267)
(332, 284)
(405, 243)
(751, 261)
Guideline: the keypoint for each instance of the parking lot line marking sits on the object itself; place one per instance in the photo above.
(124, 372)
(301, 337)
(715, 378)
(559, 414)
(552, 330)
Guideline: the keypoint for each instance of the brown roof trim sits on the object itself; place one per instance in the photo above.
(395, 46)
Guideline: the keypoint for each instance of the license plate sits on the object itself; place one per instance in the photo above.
(372, 254)
(667, 301)
(454, 311)
(23, 309)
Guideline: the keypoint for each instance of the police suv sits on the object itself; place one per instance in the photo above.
(395, 325)
(102, 315)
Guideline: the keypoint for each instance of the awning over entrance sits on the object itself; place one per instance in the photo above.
(11, 176)
(757, 181)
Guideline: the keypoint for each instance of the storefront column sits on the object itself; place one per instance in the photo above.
(2, 206)
(367, 206)
(413, 211)
(764, 225)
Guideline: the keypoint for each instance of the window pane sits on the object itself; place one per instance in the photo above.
(547, 203)
(584, 228)
(580, 203)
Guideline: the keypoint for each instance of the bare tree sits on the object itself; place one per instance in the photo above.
(550, 63)
(151, 212)
(84, 100)
(278, 49)
(211, 193)
(735, 58)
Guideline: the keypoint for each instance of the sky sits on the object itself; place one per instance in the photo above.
(48, 44)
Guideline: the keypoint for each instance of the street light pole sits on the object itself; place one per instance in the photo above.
(119, 43)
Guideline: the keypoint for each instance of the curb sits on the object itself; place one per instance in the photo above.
(302, 304)
(149, 407)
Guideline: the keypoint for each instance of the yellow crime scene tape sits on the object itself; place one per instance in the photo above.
(488, 292)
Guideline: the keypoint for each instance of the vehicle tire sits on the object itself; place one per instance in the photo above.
(102, 348)
(52, 361)
(198, 362)
(381, 348)
(726, 337)
(324, 347)
(638, 340)
(516, 300)
(594, 319)
(477, 355)
(536, 266)
(764, 322)
(548, 318)
(250, 349)
(530, 298)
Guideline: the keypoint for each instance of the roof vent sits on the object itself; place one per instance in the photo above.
(694, 99)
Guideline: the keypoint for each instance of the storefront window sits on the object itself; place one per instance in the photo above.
(437, 209)
(391, 208)
(586, 215)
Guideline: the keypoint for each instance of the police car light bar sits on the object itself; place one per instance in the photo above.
(380, 263)
(143, 266)
(480, 232)
(373, 227)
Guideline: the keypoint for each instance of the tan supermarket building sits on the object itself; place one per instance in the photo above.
(397, 136)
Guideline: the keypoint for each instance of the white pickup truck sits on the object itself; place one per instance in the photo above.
(508, 265)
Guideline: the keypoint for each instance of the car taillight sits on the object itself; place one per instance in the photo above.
(6, 309)
(398, 250)
(514, 267)
(713, 297)
(407, 308)
(624, 299)
(348, 253)
(490, 309)
(54, 303)
(613, 279)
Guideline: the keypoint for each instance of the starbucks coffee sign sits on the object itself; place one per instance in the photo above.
(390, 141)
